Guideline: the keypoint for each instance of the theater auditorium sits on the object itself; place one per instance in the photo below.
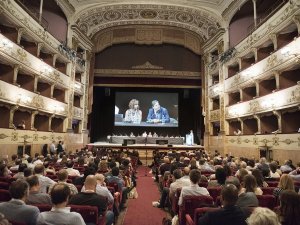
(131, 112)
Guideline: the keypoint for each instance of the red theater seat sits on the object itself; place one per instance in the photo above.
(214, 192)
(190, 203)
(197, 214)
(88, 213)
(4, 185)
(17, 223)
(174, 201)
(267, 190)
(4, 195)
(268, 201)
(43, 207)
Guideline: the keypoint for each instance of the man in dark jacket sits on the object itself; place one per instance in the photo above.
(230, 214)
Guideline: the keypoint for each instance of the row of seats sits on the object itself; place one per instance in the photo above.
(190, 203)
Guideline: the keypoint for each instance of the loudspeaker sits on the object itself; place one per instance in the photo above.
(186, 93)
(107, 92)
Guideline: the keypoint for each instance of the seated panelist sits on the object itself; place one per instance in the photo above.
(158, 114)
(133, 114)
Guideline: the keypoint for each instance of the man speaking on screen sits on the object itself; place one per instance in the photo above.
(158, 114)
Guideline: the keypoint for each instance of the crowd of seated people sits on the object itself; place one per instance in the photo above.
(56, 182)
(257, 184)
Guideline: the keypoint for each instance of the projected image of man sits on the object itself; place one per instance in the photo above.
(158, 114)
(133, 114)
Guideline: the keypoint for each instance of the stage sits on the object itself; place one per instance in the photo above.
(145, 150)
(146, 146)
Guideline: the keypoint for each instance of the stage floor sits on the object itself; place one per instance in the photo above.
(146, 146)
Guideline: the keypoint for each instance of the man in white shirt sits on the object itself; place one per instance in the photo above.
(70, 170)
(178, 183)
(44, 181)
(60, 214)
(52, 148)
(194, 188)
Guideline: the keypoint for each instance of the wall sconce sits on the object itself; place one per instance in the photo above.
(5, 43)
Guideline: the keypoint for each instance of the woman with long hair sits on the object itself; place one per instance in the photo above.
(285, 183)
(250, 185)
(289, 208)
(259, 178)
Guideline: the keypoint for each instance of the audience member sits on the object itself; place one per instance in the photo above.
(27, 172)
(16, 209)
(180, 181)
(4, 172)
(286, 167)
(289, 208)
(35, 197)
(62, 176)
(87, 171)
(89, 197)
(285, 183)
(20, 174)
(114, 178)
(60, 214)
(230, 214)
(71, 171)
(220, 178)
(101, 188)
(194, 188)
(250, 185)
(259, 178)
(274, 172)
(44, 181)
(263, 216)
(245, 199)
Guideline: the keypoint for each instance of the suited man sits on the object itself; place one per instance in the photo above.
(158, 114)
(230, 214)
(16, 210)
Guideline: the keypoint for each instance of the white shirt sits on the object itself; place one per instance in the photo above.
(45, 182)
(179, 183)
(60, 216)
(194, 190)
(73, 172)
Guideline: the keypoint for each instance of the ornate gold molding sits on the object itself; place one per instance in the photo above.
(147, 73)
(147, 65)
(148, 34)
(93, 20)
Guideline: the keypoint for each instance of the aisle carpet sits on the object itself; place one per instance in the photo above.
(140, 211)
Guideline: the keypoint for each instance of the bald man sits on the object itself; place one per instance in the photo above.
(90, 197)
(101, 188)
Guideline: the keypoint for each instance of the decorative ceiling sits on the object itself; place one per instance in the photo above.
(203, 17)
(216, 6)
(201, 22)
